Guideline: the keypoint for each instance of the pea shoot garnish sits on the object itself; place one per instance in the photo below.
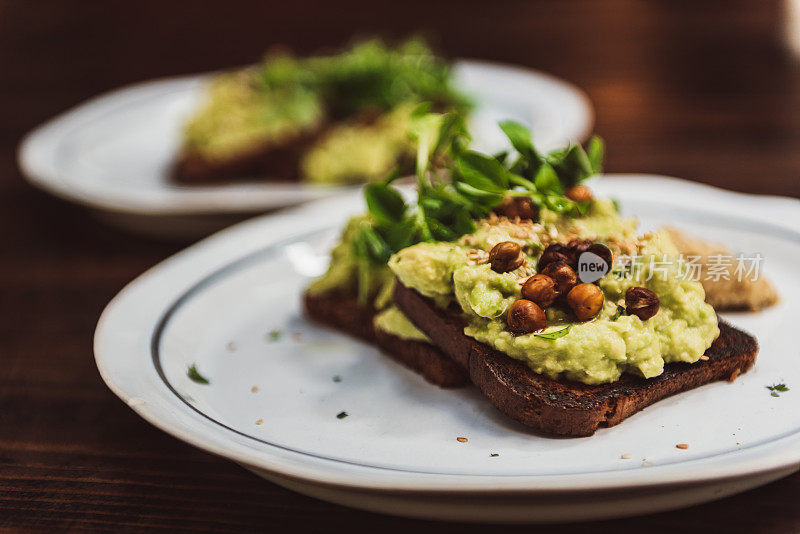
(457, 186)
(556, 334)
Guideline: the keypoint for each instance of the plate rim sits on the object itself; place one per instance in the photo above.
(771, 456)
(38, 140)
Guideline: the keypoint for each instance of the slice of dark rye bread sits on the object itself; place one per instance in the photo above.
(265, 161)
(343, 312)
(560, 407)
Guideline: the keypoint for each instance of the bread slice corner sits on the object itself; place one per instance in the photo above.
(343, 312)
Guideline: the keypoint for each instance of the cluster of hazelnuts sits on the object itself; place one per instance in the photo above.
(557, 283)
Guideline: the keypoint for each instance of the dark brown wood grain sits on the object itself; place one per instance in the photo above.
(702, 90)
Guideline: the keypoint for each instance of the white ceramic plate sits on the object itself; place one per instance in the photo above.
(216, 303)
(112, 152)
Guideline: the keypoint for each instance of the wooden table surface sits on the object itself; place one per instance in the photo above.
(701, 90)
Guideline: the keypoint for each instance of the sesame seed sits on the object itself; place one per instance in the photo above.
(260, 422)
(626, 456)
(462, 440)
(683, 446)
(254, 389)
(704, 358)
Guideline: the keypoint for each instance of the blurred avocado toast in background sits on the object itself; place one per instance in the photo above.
(332, 119)
(487, 277)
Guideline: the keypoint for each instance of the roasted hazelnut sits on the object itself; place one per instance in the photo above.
(557, 247)
(585, 301)
(579, 193)
(575, 248)
(579, 246)
(525, 317)
(517, 207)
(541, 290)
(563, 275)
(641, 302)
(554, 253)
(506, 256)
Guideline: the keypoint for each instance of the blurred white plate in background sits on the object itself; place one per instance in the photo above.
(112, 152)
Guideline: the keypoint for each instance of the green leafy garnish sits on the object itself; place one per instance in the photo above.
(521, 139)
(595, 153)
(556, 334)
(776, 388)
(385, 203)
(446, 210)
(369, 75)
(619, 313)
(195, 375)
(457, 186)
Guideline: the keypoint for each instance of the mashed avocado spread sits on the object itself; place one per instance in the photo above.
(393, 321)
(322, 101)
(236, 116)
(356, 152)
(593, 352)
(351, 275)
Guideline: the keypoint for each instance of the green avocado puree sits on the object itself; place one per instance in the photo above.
(393, 321)
(350, 275)
(357, 152)
(236, 116)
(593, 352)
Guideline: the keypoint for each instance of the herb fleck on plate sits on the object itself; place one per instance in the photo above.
(274, 335)
(337, 378)
(341, 415)
(776, 388)
(195, 375)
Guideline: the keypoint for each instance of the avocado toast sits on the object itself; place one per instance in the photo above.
(334, 119)
(544, 297)
(568, 408)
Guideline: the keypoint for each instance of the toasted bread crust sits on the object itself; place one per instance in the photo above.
(560, 407)
(343, 312)
(276, 162)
